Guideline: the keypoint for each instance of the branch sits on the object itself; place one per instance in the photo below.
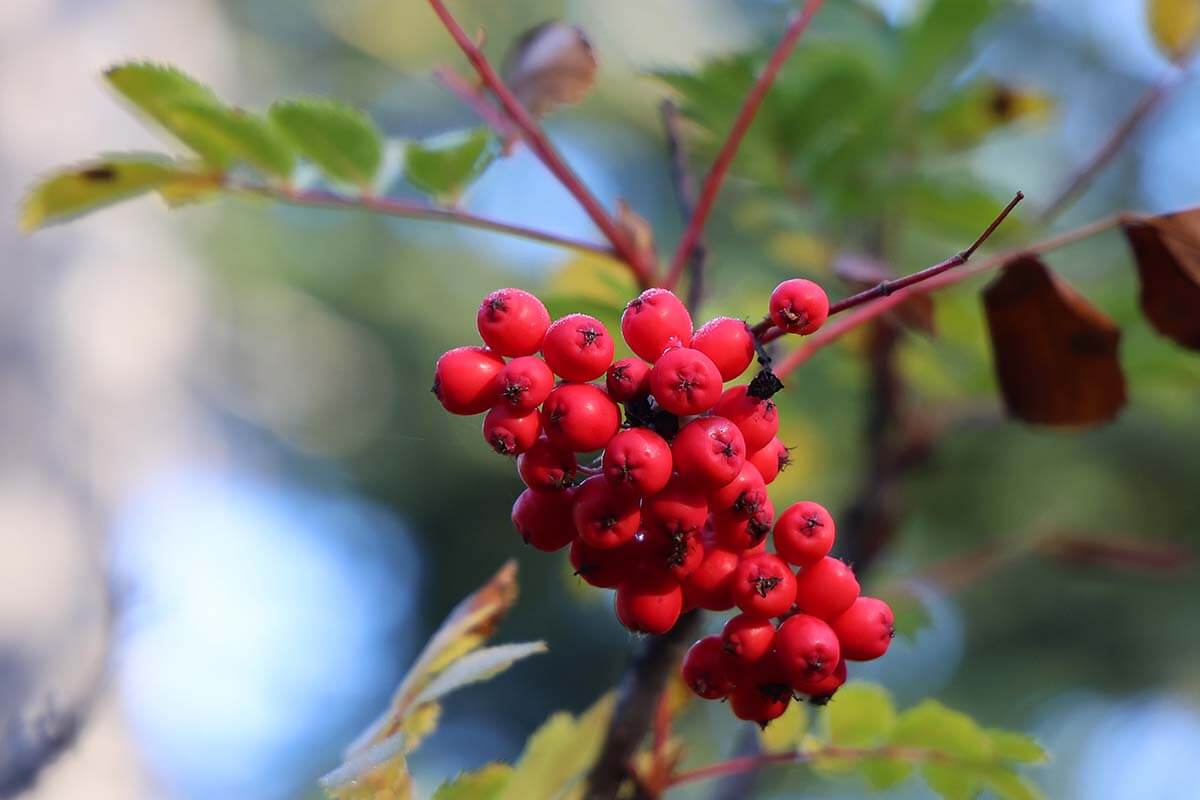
(685, 193)
(712, 181)
(538, 142)
(471, 95)
(415, 210)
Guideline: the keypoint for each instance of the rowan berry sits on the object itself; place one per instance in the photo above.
(678, 508)
(744, 496)
(748, 638)
(735, 531)
(604, 517)
(649, 601)
(525, 383)
(676, 552)
(512, 322)
(771, 460)
(544, 519)
(728, 342)
(653, 321)
(807, 648)
(604, 569)
(580, 417)
(826, 589)
(638, 460)
(546, 467)
(709, 452)
(804, 534)
(466, 381)
(760, 700)
(710, 584)
(821, 691)
(799, 306)
(511, 432)
(865, 629)
(756, 417)
(685, 382)
(706, 671)
(578, 348)
(764, 585)
(628, 379)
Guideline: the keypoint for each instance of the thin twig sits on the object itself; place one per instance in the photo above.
(685, 193)
(471, 94)
(540, 144)
(415, 210)
(716, 175)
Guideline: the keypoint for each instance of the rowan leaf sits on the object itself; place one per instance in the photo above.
(785, 732)
(486, 783)
(1175, 26)
(860, 715)
(341, 141)
(559, 752)
(549, 66)
(1166, 250)
(237, 135)
(443, 166)
(1016, 747)
(475, 667)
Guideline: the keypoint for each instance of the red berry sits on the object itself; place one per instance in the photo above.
(678, 508)
(756, 418)
(685, 381)
(820, 691)
(806, 648)
(744, 496)
(676, 552)
(705, 669)
(580, 417)
(547, 467)
(649, 601)
(604, 517)
(544, 519)
(728, 342)
(710, 584)
(604, 569)
(653, 321)
(826, 589)
(465, 379)
(511, 432)
(628, 379)
(512, 322)
(799, 306)
(747, 637)
(709, 452)
(737, 532)
(525, 383)
(578, 348)
(804, 534)
(638, 460)
(763, 585)
(865, 629)
(760, 700)
(771, 460)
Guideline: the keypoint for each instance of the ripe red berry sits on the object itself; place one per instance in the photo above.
(678, 508)
(744, 496)
(763, 585)
(705, 670)
(653, 321)
(580, 417)
(511, 432)
(820, 691)
(748, 638)
(678, 553)
(638, 460)
(546, 467)
(512, 322)
(709, 452)
(649, 601)
(465, 379)
(770, 460)
(710, 584)
(604, 517)
(685, 381)
(604, 569)
(804, 533)
(826, 589)
(737, 532)
(578, 348)
(806, 648)
(799, 306)
(728, 342)
(865, 629)
(628, 379)
(756, 418)
(544, 519)
(525, 383)
(760, 700)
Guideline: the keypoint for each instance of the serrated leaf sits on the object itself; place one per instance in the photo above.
(238, 135)
(549, 66)
(1175, 26)
(860, 715)
(480, 665)
(342, 141)
(73, 192)
(784, 733)
(486, 783)
(559, 752)
(443, 166)
(1016, 747)
(379, 773)
(932, 726)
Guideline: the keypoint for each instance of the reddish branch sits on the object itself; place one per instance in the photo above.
(685, 193)
(471, 95)
(716, 175)
(540, 144)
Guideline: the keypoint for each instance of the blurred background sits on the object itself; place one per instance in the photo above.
(231, 512)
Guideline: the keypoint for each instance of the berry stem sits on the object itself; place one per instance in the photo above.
(716, 175)
(540, 144)
(414, 210)
(685, 193)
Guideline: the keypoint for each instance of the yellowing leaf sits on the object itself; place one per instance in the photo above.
(783, 734)
(380, 773)
(421, 722)
(485, 783)
(1175, 26)
(559, 752)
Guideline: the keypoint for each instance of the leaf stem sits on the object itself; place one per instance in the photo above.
(538, 142)
(716, 175)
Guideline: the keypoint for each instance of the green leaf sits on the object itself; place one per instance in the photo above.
(938, 36)
(1008, 785)
(445, 165)
(860, 715)
(71, 193)
(1018, 747)
(559, 752)
(932, 726)
(485, 783)
(342, 141)
(884, 773)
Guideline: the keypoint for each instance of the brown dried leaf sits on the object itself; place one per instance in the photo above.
(636, 229)
(1056, 353)
(1167, 252)
(549, 66)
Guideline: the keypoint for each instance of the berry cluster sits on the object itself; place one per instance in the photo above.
(674, 513)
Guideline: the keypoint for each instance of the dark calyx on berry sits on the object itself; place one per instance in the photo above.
(645, 413)
(766, 384)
